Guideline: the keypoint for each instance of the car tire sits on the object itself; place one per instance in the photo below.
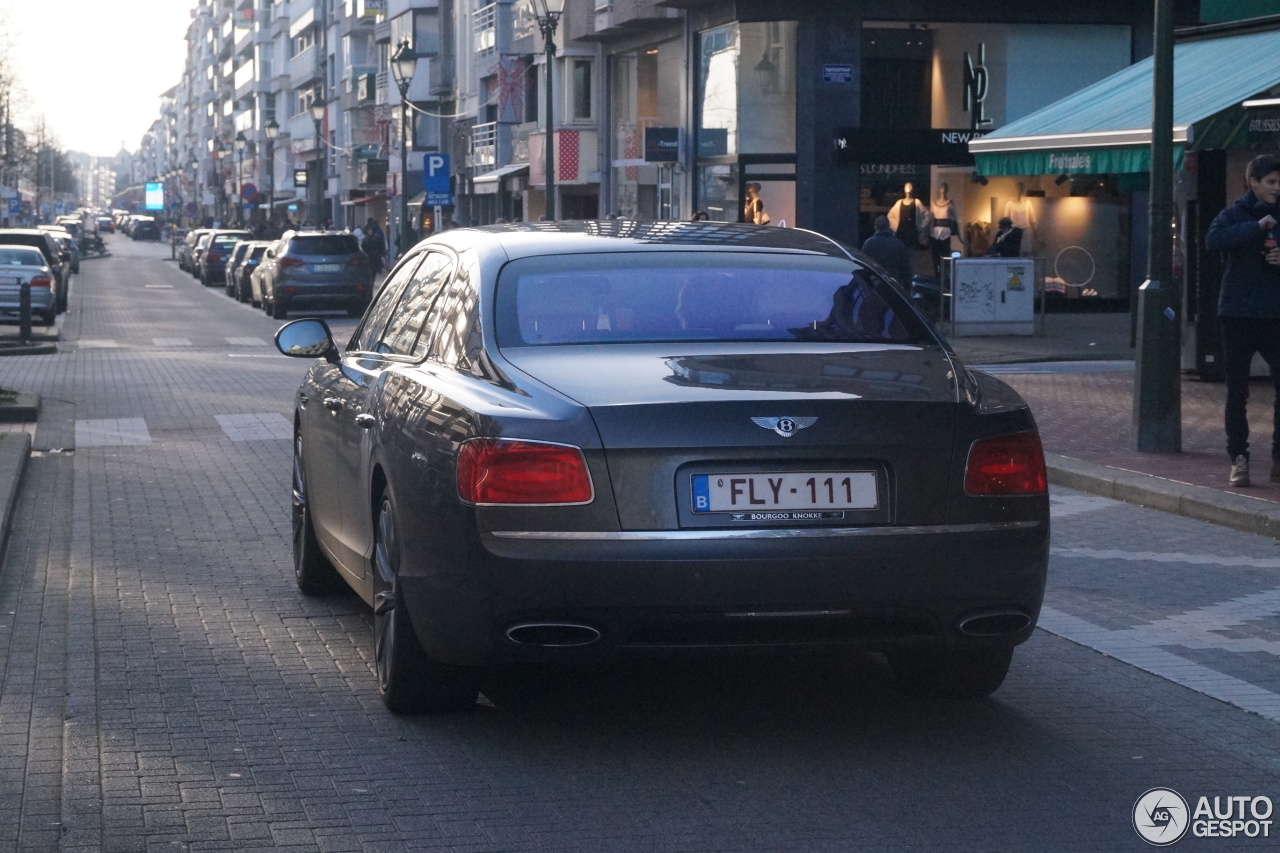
(47, 317)
(312, 571)
(279, 310)
(973, 673)
(356, 310)
(408, 681)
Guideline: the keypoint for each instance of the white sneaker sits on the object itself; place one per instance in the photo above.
(1240, 471)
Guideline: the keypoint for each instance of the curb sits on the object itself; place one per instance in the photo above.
(15, 447)
(26, 409)
(1252, 515)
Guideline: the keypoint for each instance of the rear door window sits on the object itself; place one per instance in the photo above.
(369, 332)
(404, 333)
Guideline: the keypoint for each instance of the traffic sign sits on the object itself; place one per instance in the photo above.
(15, 206)
(435, 179)
(248, 192)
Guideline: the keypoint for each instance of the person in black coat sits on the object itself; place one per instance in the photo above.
(1249, 305)
(1008, 242)
(889, 252)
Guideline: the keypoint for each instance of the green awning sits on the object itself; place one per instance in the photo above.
(1073, 161)
(1106, 128)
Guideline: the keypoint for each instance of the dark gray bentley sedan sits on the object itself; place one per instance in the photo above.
(559, 442)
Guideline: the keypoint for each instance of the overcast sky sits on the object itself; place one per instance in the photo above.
(95, 68)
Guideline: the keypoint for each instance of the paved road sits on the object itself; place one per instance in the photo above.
(165, 687)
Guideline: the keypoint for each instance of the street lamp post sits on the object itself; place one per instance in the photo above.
(196, 195)
(403, 64)
(241, 143)
(317, 115)
(272, 130)
(548, 13)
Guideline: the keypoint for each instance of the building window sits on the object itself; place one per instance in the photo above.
(420, 27)
(579, 94)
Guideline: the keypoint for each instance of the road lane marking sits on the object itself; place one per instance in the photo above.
(256, 426)
(171, 342)
(247, 342)
(1136, 649)
(102, 343)
(1168, 557)
(111, 432)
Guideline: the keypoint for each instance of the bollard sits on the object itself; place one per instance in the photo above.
(173, 246)
(24, 311)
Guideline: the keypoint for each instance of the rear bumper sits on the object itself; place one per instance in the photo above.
(877, 588)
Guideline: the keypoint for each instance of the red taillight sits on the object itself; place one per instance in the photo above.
(290, 262)
(42, 281)
(1006, 465)
(357, 261)
(213, 256)
(506, 471)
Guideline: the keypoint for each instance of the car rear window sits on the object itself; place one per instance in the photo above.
(324, 244)
(227, 241)
(627, 297)
(21, 257)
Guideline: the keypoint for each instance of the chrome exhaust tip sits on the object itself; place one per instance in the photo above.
(553, 635)
(993, 623)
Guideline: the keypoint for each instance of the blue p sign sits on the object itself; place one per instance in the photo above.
(435, 168)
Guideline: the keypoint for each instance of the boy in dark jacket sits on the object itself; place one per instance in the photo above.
(1249, 307)
(889, 252)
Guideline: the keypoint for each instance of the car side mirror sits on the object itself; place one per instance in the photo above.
(307, 338)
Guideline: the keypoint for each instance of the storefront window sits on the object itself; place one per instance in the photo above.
(646, 92)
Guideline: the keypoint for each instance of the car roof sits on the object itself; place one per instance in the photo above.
(19, 247)
(528, 239)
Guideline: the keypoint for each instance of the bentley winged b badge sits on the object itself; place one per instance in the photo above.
(785, 427)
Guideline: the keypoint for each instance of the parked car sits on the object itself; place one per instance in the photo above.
(25, 264)
(67, 244)
(240, 284)
(213, 259)
(258, 273)
(565, 442)
(106, 224)
(317, 269)
(58, 259)
(144, 228)
(186, 249)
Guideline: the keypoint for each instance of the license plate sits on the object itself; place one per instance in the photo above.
(791, 490)
(326, 267)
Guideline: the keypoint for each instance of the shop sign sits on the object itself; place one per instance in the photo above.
(976, 82)
(299, 177)
(1264, 125)
(837, 73)
(937, 146)
(662, 144)
(713, 142)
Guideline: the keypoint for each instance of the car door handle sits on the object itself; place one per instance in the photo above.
(333, 404)
(365, 420)
(302, 401)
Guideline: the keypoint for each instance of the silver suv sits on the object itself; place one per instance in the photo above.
(318, 269)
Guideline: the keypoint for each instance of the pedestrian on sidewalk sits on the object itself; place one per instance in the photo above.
(1249, 306)
(889, 252)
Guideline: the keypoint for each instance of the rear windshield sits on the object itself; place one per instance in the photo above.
(722, 296)
(324, 244)
(21, 257)
(227, 241)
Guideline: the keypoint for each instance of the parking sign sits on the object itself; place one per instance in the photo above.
(435, 179)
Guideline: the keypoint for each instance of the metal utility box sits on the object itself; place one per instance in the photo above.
(994, 296)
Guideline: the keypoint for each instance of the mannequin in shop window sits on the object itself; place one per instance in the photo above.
(1021, 214)
(907, 218)
(942, 226)
(753, 209)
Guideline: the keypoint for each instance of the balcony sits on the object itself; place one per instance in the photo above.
(304, 68)
(484, 147)
(484, 30)
(302, 130)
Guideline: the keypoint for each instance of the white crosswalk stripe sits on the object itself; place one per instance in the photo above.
(256, 426)
(111, 432)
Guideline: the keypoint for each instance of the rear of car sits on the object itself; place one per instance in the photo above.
(19, 265)
(217, 248)
(244, 272)
(319, 270)
(145, 228)
(57, 259)
(107, 224)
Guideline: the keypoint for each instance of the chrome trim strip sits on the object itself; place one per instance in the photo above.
(775, 533)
